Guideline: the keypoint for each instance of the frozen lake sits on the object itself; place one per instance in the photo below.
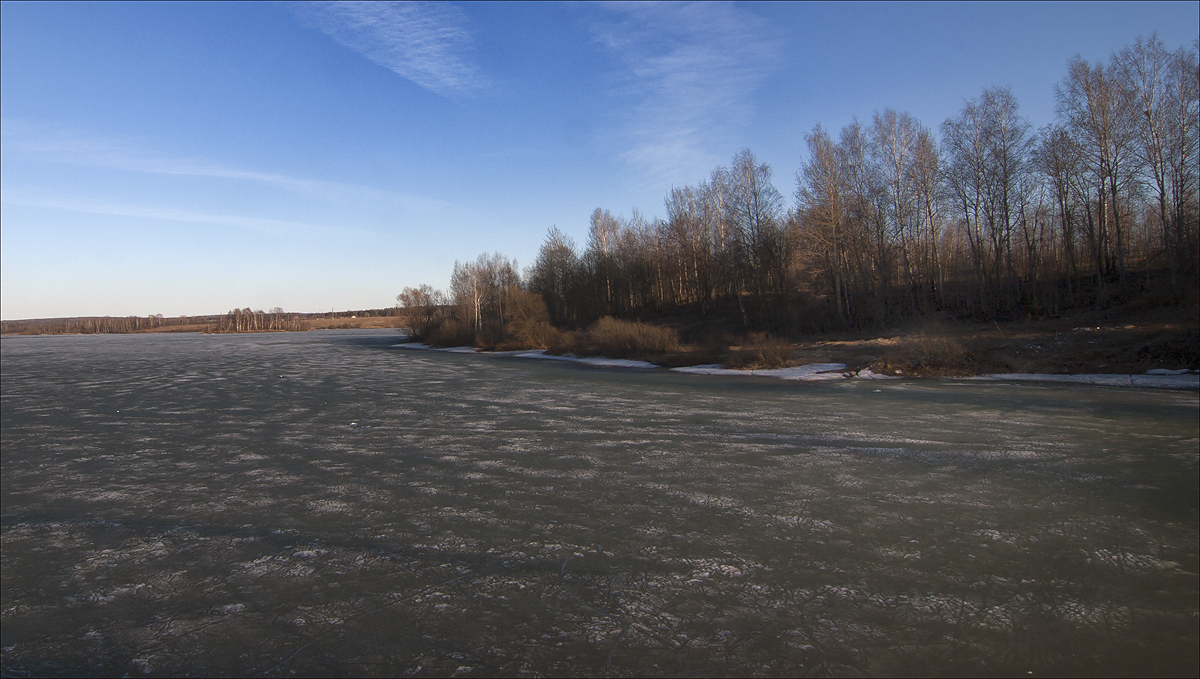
(324, 504)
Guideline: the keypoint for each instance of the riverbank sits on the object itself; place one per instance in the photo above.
(1091, 343)
(1115, 342)
(1126, 340)
(1127, 346)
(1159, 378)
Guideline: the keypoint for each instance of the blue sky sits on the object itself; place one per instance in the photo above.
(189, 158)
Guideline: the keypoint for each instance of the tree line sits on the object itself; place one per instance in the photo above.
(245, 320)
(97, 324)
(984, 218)
(235, 320)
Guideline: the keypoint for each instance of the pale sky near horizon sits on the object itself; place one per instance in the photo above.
(189, 158)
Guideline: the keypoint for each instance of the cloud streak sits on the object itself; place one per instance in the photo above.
(425, 42)
(71, 147)
(274, 227)
(691, 72)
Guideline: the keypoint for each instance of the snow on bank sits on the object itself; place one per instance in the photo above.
(596, 361)
(426, 347)
(817, 372)
(808, 373)
(1153, 380)
(868, 374)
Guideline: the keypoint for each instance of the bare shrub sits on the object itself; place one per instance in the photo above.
(450, 332)
(928, 353)
(527, 322)
(627, 339)
(562, 342)
(760, 351)
(423, 308)
(695, 355)
(491, 334)
(1180, 349)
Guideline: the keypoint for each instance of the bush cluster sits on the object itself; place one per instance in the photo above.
(928, 353)
(760, 351)
(616, 338)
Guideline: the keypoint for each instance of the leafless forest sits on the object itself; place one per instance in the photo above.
(103, 325)
(984, 218)
(235, 320)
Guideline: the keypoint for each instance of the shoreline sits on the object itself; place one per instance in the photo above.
(1185, 380)
(823, 369)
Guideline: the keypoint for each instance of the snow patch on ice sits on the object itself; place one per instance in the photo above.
(1154, 381)
(596, 361)
(808, 373)
(426, 347)
(868, 374)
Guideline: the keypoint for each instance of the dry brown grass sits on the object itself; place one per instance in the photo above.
(351, 323)
(190, 327)
(926, 355)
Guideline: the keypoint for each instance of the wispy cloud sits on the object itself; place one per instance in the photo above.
(72, 147)
(274, 227)
(691, 71)
(76, 148)
(425, 42)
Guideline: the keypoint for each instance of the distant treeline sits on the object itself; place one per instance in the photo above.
(100, 324)
(245, 320)
(237, 320)
(991, 219)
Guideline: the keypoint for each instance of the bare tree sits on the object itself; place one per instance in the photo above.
(821, 200)
(422, 307)
(481, 288)
(602, 244)
(893, 151)
(555, 277)
(1096, 110)
(927, 186)
(756, 208)
(687, 225)
(1183, 157)
(966, 147)
(1057, 157)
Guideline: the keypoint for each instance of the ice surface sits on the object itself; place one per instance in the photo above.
(181, 502)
